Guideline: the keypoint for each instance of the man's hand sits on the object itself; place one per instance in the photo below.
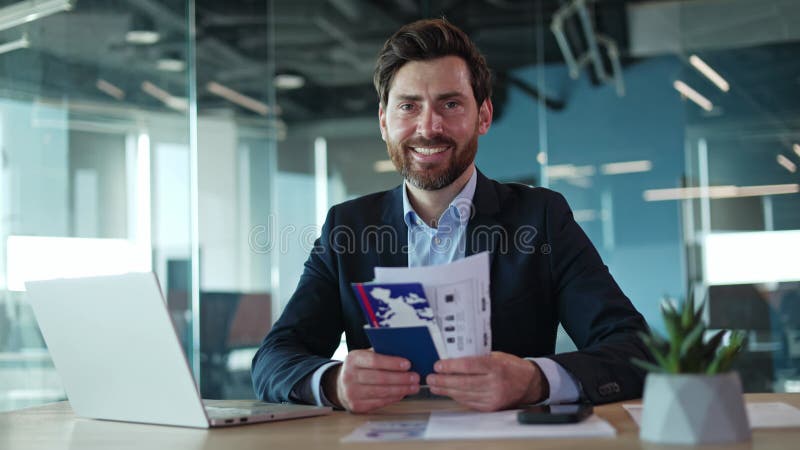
(368, 380)
(489, 383)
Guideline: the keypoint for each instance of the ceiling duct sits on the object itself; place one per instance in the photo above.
(657, 28)
(27, 11)
(583, 48)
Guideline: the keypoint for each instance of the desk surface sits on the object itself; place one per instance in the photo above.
(54, 426)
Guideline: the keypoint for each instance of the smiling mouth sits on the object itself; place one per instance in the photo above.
(428, 151)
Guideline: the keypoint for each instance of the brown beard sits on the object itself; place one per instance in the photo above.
(460, 159)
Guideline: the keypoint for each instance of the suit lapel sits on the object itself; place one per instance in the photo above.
(393, 232)
(484, 232)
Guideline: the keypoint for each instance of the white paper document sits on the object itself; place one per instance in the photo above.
(503, 424)
(458, 293)
(388, 431)
(760, 415)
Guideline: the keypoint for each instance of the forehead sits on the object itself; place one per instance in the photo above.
(435, 76)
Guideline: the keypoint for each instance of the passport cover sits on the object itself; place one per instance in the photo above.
(400, 322)
(412, 343)
(394, 304)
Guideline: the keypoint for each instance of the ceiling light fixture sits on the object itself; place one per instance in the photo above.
(709, 73)
(693, 95)
(142, 31)
(169, 100)
(585, 215)
(561, 171)
(110, 89)
(786, 163)
(287, 81)
(238, 98)
(728, 191)
(796, 149)
(618, 168)
(170, 64)
(15, 45)
(30, 10)
(142, 37)
(155, 91)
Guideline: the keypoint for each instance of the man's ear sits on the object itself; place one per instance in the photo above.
(382, 120)
(485, 116)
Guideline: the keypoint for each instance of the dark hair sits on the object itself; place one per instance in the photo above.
(425, 40)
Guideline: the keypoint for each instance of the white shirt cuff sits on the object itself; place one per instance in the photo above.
(563, 386)
(316, 384)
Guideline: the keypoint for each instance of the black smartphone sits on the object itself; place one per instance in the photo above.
(543, 414)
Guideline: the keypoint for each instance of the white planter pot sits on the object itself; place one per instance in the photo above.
(694, 409)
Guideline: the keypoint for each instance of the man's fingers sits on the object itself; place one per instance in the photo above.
(371, 360)
(384, 377)
(460, 395)
(369, 381)
(481, 401)
(460, 382)
(365, 392)
(465, 365)
(487, 383)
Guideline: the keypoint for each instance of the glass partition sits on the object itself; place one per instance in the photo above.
(743, 224)
(205, 141)
(95, 163)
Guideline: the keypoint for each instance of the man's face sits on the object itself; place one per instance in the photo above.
(431, 121)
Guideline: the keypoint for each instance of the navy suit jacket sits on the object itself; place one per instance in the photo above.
(544, 270)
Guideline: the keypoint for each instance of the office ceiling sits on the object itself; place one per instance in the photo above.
(331, 44)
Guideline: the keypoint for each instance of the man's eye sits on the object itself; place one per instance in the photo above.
(451, 105)
(406, 107)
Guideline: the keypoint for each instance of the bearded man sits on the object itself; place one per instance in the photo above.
(434, 92)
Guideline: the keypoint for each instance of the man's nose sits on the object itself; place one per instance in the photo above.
(430, 123)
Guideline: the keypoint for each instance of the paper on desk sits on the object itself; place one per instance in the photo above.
(503, 424)
(458, 293)
(385, 431)
(760, 415)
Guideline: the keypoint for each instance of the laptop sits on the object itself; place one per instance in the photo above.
(119, 358)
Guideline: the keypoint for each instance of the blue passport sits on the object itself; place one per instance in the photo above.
(400, 322)
(412, 343)
(394, 304)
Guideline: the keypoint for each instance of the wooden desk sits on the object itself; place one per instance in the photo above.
(56, 427)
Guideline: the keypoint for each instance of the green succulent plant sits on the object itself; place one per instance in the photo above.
(684, 350)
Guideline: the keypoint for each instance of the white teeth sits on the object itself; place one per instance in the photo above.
(429, 151)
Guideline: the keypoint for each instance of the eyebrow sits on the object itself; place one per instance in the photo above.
(416, 98)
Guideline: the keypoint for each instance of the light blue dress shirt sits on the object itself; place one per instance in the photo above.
(441, 244)
(445, 242)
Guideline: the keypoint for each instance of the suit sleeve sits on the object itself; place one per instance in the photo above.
(311, 325)
(599, 318)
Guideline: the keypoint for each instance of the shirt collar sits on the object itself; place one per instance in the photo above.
(461, 206)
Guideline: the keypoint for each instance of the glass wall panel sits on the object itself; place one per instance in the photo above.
(704, 199)
(237, 190)
(208, 139)
(744, 227)
(95, 163)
